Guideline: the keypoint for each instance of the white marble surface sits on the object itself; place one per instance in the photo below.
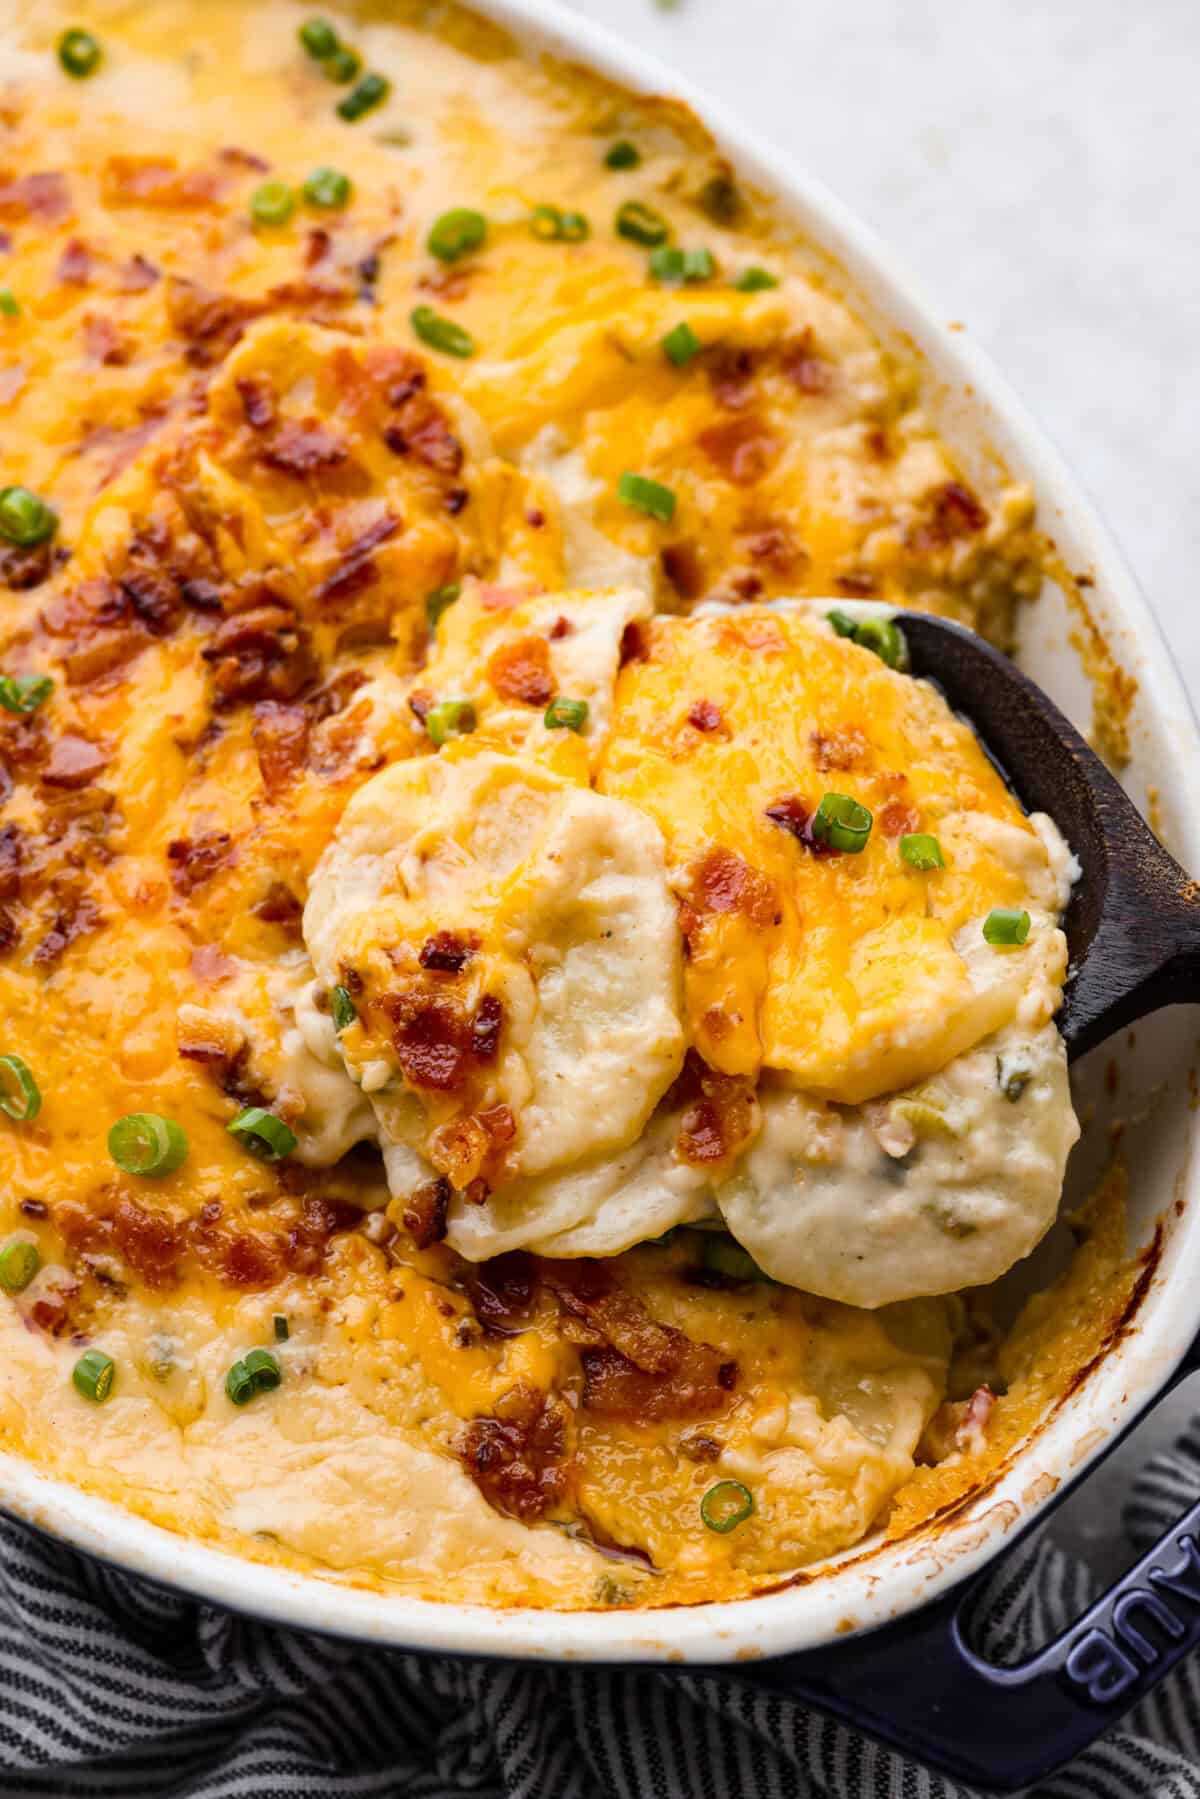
(1037, 163)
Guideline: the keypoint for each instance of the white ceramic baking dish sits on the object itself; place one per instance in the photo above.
(931, 1680)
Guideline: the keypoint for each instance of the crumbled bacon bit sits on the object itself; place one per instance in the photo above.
(742, 449)
(258, 401)
(432, 1038)
(775, 546)
(429, 439)
(136, 275)
(244, 159)
(721, 882)
(22, 569)
(897, 819)
(502, 1291)
(615, 1387)
(520, 672)
(74, 762)
(517, 1458)
(357, 569)
(419, 702)
(12, 854)
(425, 1210)
(317, 245)
(562, 627)
(195, 860)
(447, 951)
(720, 1118)
(304, 447)
(75, 264)
(731, 376)
(842, 749)
(855, 586)
(704, 715)
(77, 916)
(259, 654)
(42, 196)
(104, 343)
(158, 181)
(698, 1447)
(795, 816)
(682, 566)
(972, 1428)
(209, 323)
(486, 1027)
(280, 906)
(956, 509)
(635, 643)
(34, 1208)
(810, 373)
(280, 735)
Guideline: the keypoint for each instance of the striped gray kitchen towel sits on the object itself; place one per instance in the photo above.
(111, 1687)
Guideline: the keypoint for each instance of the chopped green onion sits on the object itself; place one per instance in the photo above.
(9, 305)
(622, 155)
(754, 281)
(648, 496)
(23, 694)
(565, 715)
(724, 1256)
(343, 1009)
(1005, 925)
(264, 1135)
(843, 624)
(552, 225)
(842, 823)
(668, 263)
(145, 1143)
(437, 602)
(641, 224)
(921, 851)
(257, 1372)
(26, 1108)
(328, 189)
(79, 53)
(93, 1375)
(449, 718)
(884, 638)
(680, 344)
(24, 518)
(726, 1505)
(342, 65)
(318, 37)
(441, 333)
(265, 1369)
(371, 91)
(456, 234)
(1014, 1071)
(240, 1384)
(272, 204)
(282, 1328)
(19, 1262)
(721, 199)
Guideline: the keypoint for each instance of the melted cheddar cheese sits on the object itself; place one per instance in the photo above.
(610, 1006)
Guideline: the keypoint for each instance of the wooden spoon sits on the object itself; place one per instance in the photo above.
(1133, 923)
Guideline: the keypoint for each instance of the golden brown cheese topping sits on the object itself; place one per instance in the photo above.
(385, 785)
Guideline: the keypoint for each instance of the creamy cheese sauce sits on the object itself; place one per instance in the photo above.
(573, 1032)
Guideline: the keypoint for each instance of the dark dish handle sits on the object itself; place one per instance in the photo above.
(919, 1687)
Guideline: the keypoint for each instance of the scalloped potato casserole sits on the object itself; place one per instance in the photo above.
(524, 1031)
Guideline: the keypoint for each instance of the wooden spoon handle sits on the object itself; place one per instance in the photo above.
(1146, 950)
